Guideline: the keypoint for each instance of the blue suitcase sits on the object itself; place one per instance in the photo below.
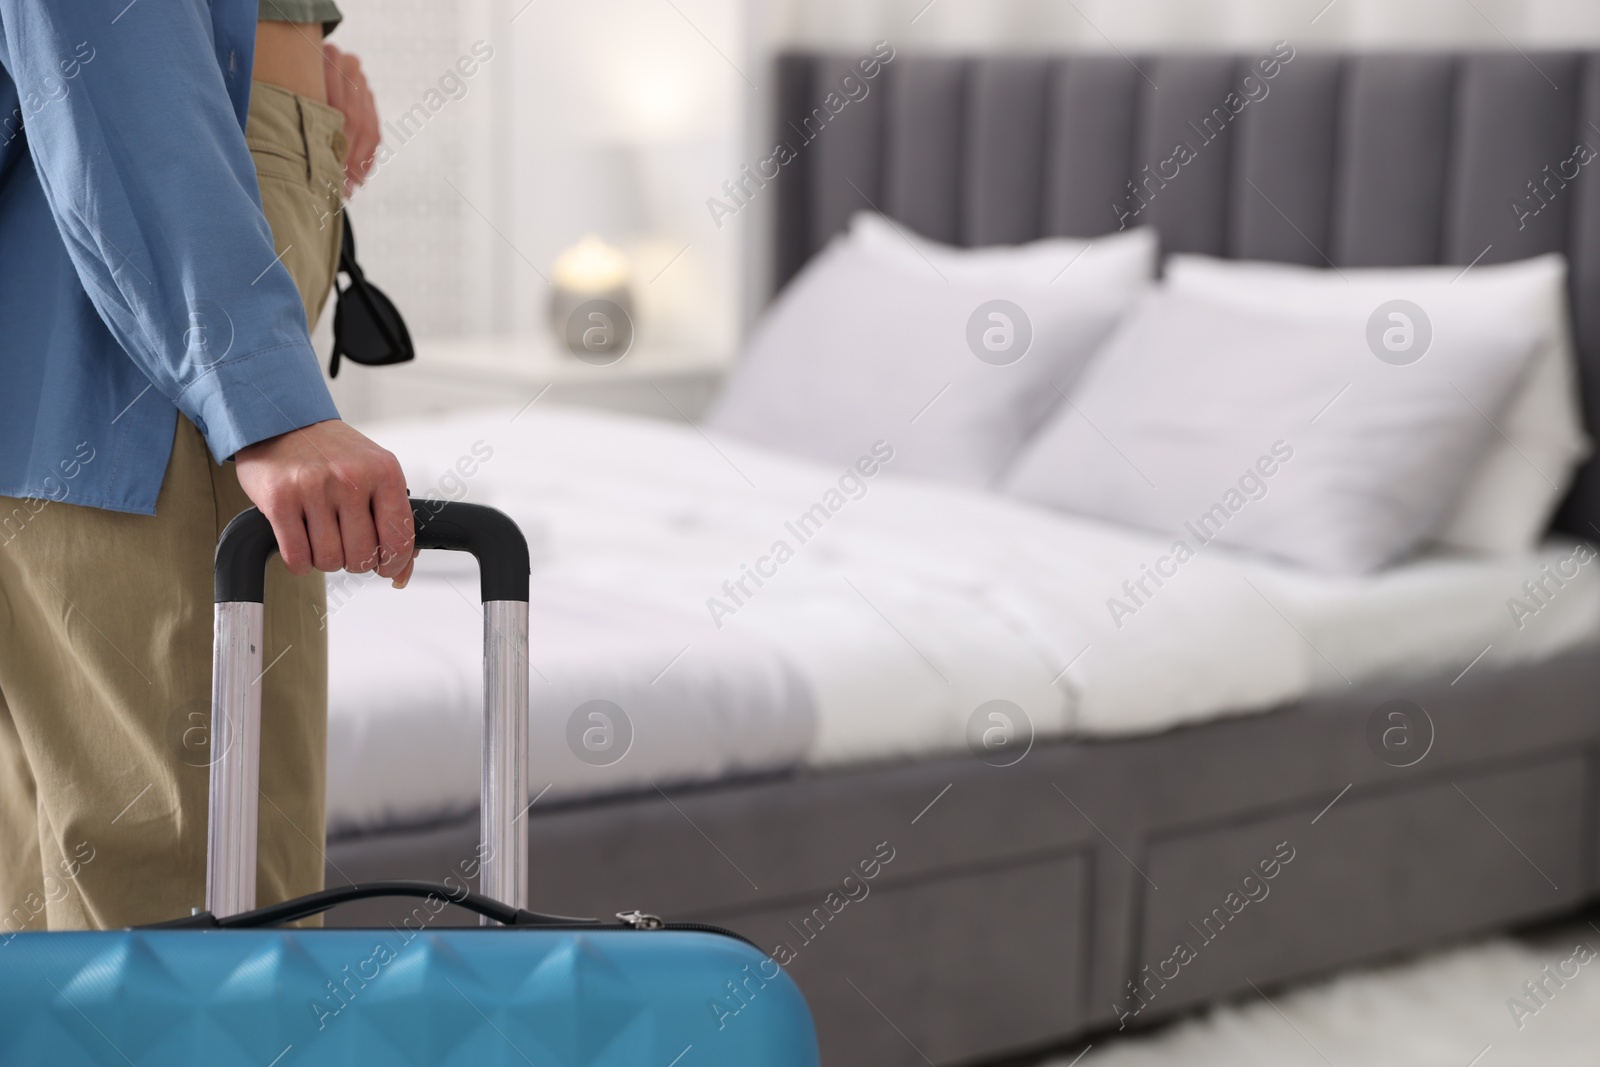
(227, 987)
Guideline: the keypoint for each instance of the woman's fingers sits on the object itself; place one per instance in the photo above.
(351, 95)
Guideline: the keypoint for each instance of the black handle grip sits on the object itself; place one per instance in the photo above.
(490, 535)
(316, 903)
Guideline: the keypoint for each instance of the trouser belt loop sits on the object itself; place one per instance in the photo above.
(304, 122)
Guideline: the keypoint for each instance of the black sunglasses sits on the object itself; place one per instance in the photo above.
(367, 327)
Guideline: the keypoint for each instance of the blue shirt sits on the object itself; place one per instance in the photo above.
(137, 274)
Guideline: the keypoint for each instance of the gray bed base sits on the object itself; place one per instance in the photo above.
(1021, 902)
(1022, 906)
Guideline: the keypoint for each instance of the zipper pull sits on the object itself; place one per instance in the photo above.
(640, 920)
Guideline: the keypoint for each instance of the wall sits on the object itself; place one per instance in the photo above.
(617, 117)
(1136, 24)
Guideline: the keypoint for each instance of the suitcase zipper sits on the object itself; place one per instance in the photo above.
(639, 920)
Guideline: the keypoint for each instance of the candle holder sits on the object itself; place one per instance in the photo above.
(591, 302)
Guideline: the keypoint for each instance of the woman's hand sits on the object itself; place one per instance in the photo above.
(349, 94)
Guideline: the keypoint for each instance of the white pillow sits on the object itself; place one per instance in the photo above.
(1127, 258)
(857, 351)
(1280, 433)
(1508, 502)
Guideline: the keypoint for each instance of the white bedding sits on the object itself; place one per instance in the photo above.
(911, 606)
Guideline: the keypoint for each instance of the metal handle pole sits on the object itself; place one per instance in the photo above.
(503, 871)
(235, 766)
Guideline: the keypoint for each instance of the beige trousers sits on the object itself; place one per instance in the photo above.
(105, 646)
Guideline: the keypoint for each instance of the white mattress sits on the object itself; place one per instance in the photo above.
(911, 606)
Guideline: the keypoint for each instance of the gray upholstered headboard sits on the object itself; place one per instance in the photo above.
(1357, 160)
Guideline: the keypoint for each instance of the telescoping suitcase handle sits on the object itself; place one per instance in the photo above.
(242, 554)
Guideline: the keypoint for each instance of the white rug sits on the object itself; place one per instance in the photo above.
(1449, 1010)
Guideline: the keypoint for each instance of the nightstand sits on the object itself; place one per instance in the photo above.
(451, 373)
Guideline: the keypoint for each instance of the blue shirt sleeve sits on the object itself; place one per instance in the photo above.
(142, 156)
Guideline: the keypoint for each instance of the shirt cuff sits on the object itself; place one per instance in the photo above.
(251, 398)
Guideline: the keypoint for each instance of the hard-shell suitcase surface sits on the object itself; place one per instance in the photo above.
(226, 987)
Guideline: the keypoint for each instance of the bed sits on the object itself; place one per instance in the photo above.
(803, 763)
